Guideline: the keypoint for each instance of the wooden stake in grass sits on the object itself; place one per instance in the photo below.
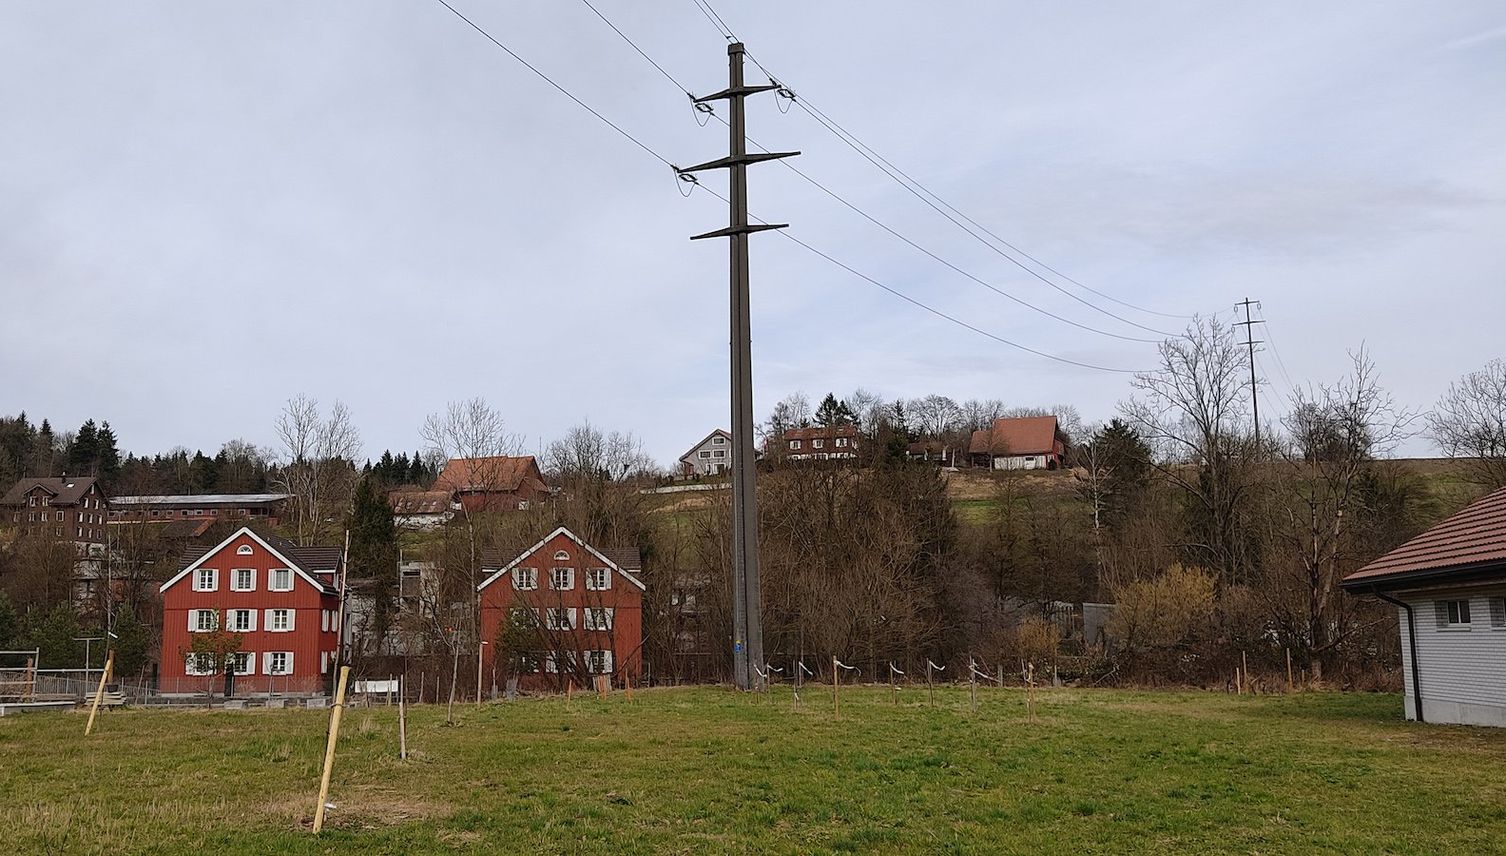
(329, 749)
(99, 694)
(972, 675)
(1244, 662)
(1288, 670)
(402, 719)
(836, 683)
(1030, 691)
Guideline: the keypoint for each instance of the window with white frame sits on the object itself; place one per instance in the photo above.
(718, 440)
(562, 579)
(206, 579)
(198, 664)
(599, 662)
(705, 454)
(721, 453)
(243, 579)
(241, 620)
(243, 550)
(794, 444)
(1456, 612)
(559, 618)
(525, 579)
(598, 618)
(817, 443)
(598, 579)
(280, 620)
(841, 441)
(279, 662)
(244, 663)
(561, 556)
(280, 579)
(203, 620)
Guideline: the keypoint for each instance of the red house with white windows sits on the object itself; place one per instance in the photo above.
(282, 600)
(572, 611)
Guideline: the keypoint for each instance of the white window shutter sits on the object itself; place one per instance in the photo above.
(252, 617)
(250, 664)
(607, 660)
(292, 614)
(611, 617)
(266, 665)
(214, 580)
(193, 620)
(288, 669)
(573, 625)
(266, 619)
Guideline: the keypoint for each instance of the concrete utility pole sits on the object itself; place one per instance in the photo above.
(1251, 342)
(747, 620)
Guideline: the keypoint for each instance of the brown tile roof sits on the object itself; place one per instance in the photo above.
(419, 501)
(1023, 435)
(64, 491)
(816, 432)
(1472, 539)
(310, 559)
(499, 473)
(626, 558)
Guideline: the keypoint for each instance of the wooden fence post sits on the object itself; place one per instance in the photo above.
(329, 749)
(836, 681)
(99, 694)
(1288, 670)
(402, 718)
(1245, 663)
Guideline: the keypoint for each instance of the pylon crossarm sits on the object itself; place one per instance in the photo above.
(739, 230)
(744, 159)
(735, 92)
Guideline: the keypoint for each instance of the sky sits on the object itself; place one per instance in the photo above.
(208, 208)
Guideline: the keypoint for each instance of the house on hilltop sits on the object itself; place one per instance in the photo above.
(710, 457)
(562, 610)
(421, 509)
(1019, 443)
(66, 508)
(819, 443)
(496, 483)
(1449, 589)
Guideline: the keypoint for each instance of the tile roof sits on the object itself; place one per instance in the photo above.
(816, 432)
(310, 559)
(1023, 435)
(419, 501)
(203, 499)
(497, 473)
(626, 558)
(64, 491)
(1467, 541)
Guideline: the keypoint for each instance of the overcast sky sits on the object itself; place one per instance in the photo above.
(206, 208)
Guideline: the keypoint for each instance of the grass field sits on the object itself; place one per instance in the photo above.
(709, 771)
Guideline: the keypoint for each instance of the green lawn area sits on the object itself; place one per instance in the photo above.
(711, 771)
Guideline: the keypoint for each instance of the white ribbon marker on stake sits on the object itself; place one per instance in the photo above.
(934, 666)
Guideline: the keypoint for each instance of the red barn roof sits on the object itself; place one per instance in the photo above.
(499, 473)
(1470, 541)
(1020, 435)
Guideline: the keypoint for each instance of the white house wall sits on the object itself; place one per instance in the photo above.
(1462, 671)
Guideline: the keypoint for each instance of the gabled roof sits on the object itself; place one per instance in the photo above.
(817, 432)
(499, 473)
(1470, 542)
(64, 491)
(622, 560)
(419, 501)
(1019, 435)
(304, 561)
(686, 458)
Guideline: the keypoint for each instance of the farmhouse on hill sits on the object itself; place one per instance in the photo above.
(1449, 588)
(710, 457)
(495, 483)
(280, 599)
(1019, 443)
(820, 443)
(72, 509)
(563, 610)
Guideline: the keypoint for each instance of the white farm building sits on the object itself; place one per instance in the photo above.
(1449, 588)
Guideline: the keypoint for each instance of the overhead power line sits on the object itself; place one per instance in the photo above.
(921, 192)
(886, 227)
(828, 257)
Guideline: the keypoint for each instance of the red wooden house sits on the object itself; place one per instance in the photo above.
(563, 610)
(496, 483)
(282, 600)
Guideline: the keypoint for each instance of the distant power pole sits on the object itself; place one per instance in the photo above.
(1250, 342)
(747, 604)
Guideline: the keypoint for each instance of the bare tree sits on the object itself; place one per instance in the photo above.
(867, 408)
(317, 465)
(1192, 412)
(472, 438)
(1336, 433)
(934, 415)
(1470, 421)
